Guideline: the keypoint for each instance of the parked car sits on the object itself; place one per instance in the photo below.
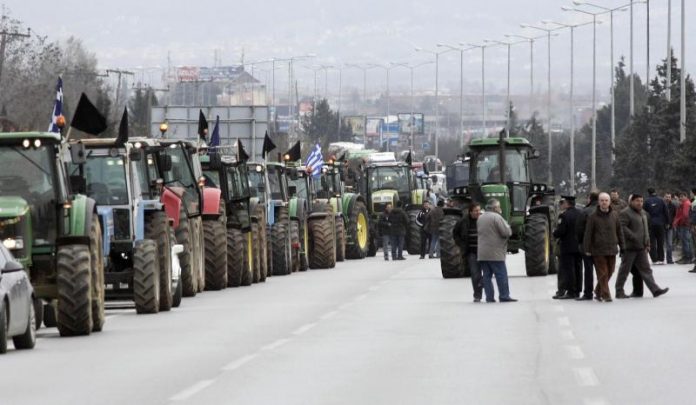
(17, 312)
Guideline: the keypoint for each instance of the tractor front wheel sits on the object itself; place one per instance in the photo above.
(537, 245)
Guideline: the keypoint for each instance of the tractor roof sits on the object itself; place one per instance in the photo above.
(494, 142)
(47, 136)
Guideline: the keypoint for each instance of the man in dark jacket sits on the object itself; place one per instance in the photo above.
(570, 266)
(399, 226)
(466, 238)
(635, 228)
(385, 231)
(432, 226)
(424, 236)
(659, 218)
(669, 234)
(587, 260)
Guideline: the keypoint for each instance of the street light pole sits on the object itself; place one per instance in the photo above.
(668, 90)
(461, 89)
(483, 85)
(507, 98)
(682, 107)
(531, 67)
(412, 118)
(631, 81)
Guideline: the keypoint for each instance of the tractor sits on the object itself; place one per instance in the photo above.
(54, 232)
(499, 168)
(270, 203)
(137, 234)
(451, 261)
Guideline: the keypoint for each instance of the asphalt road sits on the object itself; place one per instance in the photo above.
(374, 332)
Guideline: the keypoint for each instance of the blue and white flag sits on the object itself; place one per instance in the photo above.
(57, 107)
(315, 161)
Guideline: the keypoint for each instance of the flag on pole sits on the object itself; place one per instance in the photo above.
(315, 161)
(57, 107)
(268, 145)
(215, 137)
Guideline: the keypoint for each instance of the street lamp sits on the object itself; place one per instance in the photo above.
(364, 68)
(507, 98)
(387, 68)
(483, 85)
(412, 118)
(291, 60)
(531, 66)
(682, 103)
(461, 88)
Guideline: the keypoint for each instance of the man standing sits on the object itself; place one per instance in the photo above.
(682, 224)
(570, 269)
(669, 236)
(466, 237)
(493, 233)
(384, 227)
(634, 226)
(617, 204)
(399, 226)
(432, 226)
(602, 236)
(420, 221)
(659, 218)
(580, 234)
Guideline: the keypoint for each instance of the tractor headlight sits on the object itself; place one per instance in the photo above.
(13, 243)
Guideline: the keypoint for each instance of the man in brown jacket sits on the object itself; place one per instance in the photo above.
(602, 236)
(634, 226)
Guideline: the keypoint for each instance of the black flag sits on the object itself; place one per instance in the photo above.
(241, 153)
(409, 158)
(293, 154)
(202, 125)
(123, 129)
(268, 145)
(87, 118)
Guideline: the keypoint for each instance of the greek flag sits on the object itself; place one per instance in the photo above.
(315, 161)
(57, 107)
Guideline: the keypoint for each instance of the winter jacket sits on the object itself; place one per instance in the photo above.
(432, 220)
(671, 211)
(682, 216)
(420, 218)
(657, 210)
(603, 233)
(565, 231)
(399, 222)
(618, 205)
(384, 225)
(465, 235)
(493, 233)
(582, 220)
(634, 226)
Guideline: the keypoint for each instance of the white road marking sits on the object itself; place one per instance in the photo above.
(192, 390)
(575, 352)
(360, 298)
(329, 315)
(585, 377)
(563, 321)
(275, 344)
(304, 328)
(239, 362)
(567, 335)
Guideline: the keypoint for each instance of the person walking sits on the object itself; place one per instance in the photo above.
(466, 238)
(617, 204)
(635, 229)
(424, 235)
(432, 226)
(588, 275)
(602, 236)
(658, 216)
(493, 233)
(384, 228)
(399, 226)
(682, 224)
(669, 229)
(570, 266)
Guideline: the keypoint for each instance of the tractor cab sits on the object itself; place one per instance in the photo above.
(389, 183)
(232, 178)
(182, 173)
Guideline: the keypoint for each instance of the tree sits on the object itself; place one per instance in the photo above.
(321, 125)
(139, 110)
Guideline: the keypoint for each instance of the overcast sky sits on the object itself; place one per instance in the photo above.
(130, 33)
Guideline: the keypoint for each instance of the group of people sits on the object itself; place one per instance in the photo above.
(428, 220)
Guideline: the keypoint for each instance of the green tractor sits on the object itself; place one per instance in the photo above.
(451, 261)
(52, 231)
(499, 168)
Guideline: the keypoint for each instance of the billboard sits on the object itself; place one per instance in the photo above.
(408, 122)
(207, 74)
(356, 124)
(373, 126)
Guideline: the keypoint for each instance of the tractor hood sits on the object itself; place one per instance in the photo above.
(11, 207)
(380, 199)
(499, 192)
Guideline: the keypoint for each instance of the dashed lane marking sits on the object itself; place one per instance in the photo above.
(585, 377)
(192, 390)
(304, 328)
(275, 344)
(575, 352)
(239, 362)
(329, 315)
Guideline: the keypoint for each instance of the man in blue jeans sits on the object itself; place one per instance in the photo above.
(466, 237)
(493, 233)
(384, 228)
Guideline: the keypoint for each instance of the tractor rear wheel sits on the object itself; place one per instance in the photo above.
(357, 232)
(280, 233)
(322, 244)
(146, 277)
(414, 234)
(199, 251)
(451, 263)
(96, 248)
(157, 228)
(260, 215)
(295, 245)
(215, 252)
(187, 258)
(255, 252)
(247, 269)
(74, 279)
(537, 245)
(235, 257)
(340, 239)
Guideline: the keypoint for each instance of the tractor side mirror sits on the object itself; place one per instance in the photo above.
(11, 267)
(164, 162)
(77, 153)
(135, 155)
(78, 184)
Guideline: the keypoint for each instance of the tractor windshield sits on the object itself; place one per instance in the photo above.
(301, 185)
(487, 166)
(256, 185)
(237, 182)
(390, 178)
(106, 180)
(458, 175)
(275, 183)
(180, 172)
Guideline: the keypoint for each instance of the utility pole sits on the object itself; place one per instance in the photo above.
(5, 37)
(120, 74)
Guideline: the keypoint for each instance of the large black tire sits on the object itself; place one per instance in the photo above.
(146, 280)
(372, 245)
(451, 263)
(269, 251)
(255, 253)
(187, 258)
(413, 238)
(304, 248)
(247, 269)
(280, 235)
(96, 248)
(340, 239)
(74, 282)
(537, 245)
(357, 232)
(38, 312)
(4, 327)
(178, 289)
(157, 228)
(322, 243)
(199, 251)
(236, 248)
(27, 340)
(260, 215)
(215, 253)
(50, 317)
(295, 245)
